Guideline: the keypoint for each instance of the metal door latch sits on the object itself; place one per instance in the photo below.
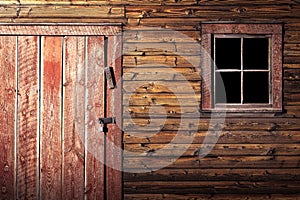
(104, 121)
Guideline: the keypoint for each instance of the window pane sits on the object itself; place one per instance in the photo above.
(256, 53)
(228, 53)
(256, 87)
(231, 81)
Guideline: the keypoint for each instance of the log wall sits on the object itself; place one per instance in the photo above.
(256, 156)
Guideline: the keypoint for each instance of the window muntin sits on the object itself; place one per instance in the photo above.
(263, 78)
(242, 64)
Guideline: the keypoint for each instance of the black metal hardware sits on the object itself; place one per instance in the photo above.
(103, 123)
(109, 120)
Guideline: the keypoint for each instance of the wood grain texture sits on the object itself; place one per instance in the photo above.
(161, 35)
(189, 175)
(94, 108)
(284, 163)
(218, 149)
(161, 49)
(161, 87)
(51, 139)
(148, 2)
(225, 137)
(162, 74)
(211, 12)
(168, 61)
(165, 99)
(210, 187)
(73, 118)
(7, 116)
(215, 175)
(172, 196)
(114, 109)
(235, 124)
(48, 11)
(54, 29)
(28, 113)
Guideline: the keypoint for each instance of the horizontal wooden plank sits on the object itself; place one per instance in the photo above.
(161, 35)
(292, 25)
(100, 2)
(292, 49)
(62, 20)
(292, 37)
(168, 61)
(288, 59)
(178, 107)
(257, 11)
(167, 48)
(218, 149)
(193, 24)
(159, 111)
(62, 29)
(213, 187)
(291, 86)
(139, 164)
(54, 11)
(171, 87)
(135, 99)
(147, 2)
(161, 74)
(215, 175)
(245, 2)
(291, 99)
(179, 24)
(171, 196)
(292, 66)
(292, 74)
(293, 110)
(253, 124)
(225, 137)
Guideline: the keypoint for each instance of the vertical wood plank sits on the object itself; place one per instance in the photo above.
(114, 135)
(7, 116)
(27, 150)
(94, 109)
(73, 118)
(51, 118)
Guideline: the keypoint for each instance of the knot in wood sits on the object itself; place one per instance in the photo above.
(6, 168)
(240, 10)
(145, 14)
(189, 12)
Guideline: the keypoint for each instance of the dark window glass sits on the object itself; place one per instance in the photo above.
(228, 53)
(256, 87)
(231, 82)
(256, 53)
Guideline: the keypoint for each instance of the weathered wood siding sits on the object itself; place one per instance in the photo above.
(256, 157)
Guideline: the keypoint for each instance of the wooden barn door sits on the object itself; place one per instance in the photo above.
(53, 90)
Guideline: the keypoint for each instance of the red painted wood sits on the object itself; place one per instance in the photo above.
(50, 186)
(73, 118)
(114, 109)
(7, 116)
(27, 151)
(94, 109)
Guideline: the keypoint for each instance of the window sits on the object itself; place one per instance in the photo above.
(242, 67)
